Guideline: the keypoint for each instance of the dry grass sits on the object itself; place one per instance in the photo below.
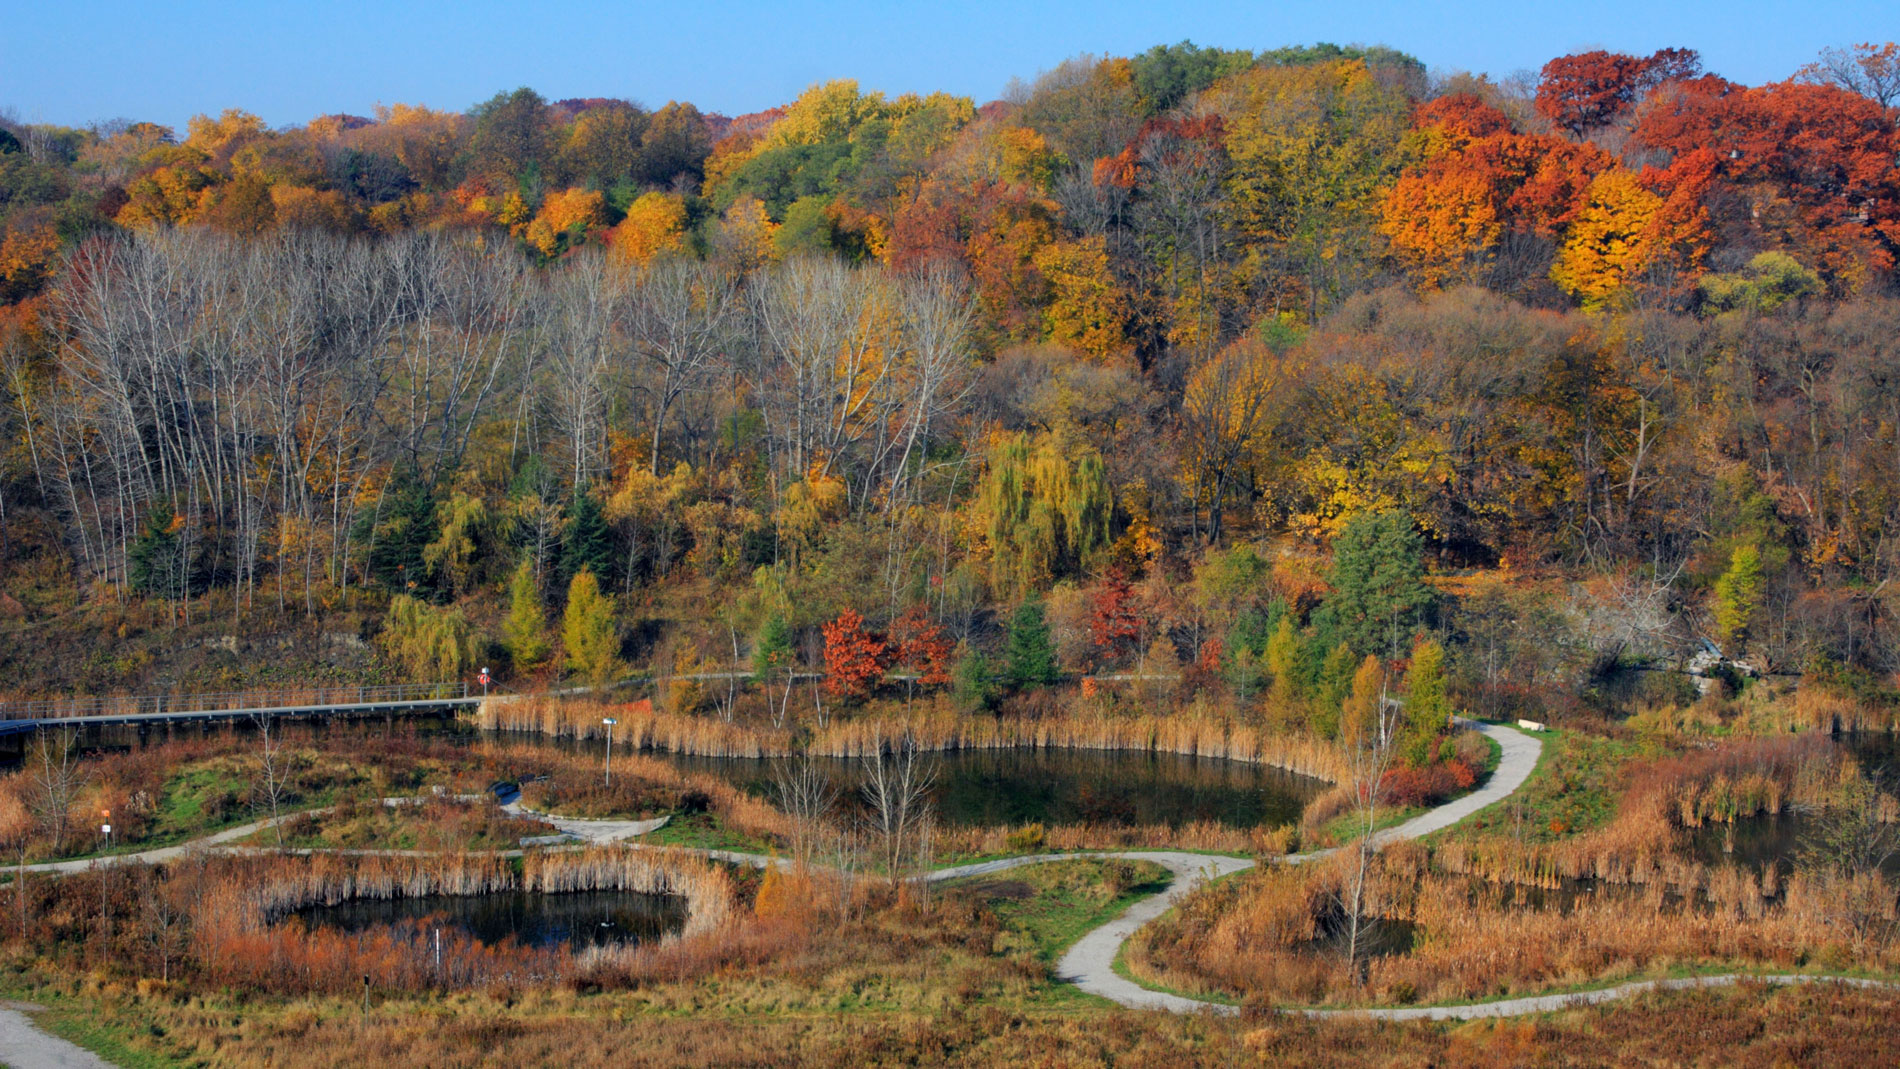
(1258, 937)
(1191, 732)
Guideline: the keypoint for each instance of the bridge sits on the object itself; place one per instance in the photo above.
(308, 703)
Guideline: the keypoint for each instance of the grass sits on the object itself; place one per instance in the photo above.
(1066, 899)
(79, 1022)
(1573, 789)
(706, 831)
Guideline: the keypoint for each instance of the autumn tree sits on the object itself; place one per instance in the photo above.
(1584, 91)
(588, 633)
(1869, 69)
(1114, 625)
(920, 649)
(855, 658)
(526, 630)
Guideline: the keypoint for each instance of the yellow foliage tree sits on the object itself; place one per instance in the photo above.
(745, 234)
(564, 215)
(655, 224)
(1085, 308)
(1612, 241)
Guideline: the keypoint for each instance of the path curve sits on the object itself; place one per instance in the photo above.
(24, 1046)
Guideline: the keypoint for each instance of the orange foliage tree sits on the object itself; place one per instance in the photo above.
(855, 657)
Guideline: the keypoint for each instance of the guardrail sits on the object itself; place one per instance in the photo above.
(338, 696)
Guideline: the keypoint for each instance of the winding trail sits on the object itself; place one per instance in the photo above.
(24, 1046)
(1090, 962)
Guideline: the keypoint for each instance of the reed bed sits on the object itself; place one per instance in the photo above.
(1193, 733)
(1259, 938)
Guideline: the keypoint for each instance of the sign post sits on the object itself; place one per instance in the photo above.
(484, 679)
(610, 722)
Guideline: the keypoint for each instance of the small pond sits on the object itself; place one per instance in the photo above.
(574, 920)
(1778, 839)
(977, 788)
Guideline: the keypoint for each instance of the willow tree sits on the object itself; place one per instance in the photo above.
(1045, 508)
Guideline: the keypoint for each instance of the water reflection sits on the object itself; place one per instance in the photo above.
(576, 920)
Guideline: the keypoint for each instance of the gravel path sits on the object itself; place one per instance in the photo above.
(24, 1046)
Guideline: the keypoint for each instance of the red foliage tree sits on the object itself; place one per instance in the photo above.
(1590, 89)
(855, 658)
(1827, 151)
(1114, 626)
(922, 649)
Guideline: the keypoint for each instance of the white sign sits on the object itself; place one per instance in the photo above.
(105, 829)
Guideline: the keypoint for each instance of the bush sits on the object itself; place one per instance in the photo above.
(1027, 839)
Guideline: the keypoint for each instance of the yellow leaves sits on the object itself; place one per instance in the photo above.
(809, 506)
(745, 233)
(301, 206)
(27, 258)
(1085, 309)
(562, 215)
(1610, 242)
(230, 129)
(169, 196)
(655, 224)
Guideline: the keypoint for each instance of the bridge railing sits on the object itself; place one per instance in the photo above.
(336, 695)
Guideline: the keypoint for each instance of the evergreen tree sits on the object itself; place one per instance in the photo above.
(1032, 654)
(1378, 580)
(586, 541)
(772, 649)
(1335, 683)
(1738, 594)
(526, 631)
(587, 631)
(402, 531)
(156, 562)
(971, 687)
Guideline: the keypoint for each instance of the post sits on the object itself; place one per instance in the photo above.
(610, 722)
(366, 994)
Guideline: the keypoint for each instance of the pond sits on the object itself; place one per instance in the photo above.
(1757, 842)
(973, 788)
(991, 788)
(574, 920)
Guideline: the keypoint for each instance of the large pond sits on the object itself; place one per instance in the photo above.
(575, 920)
(972, 787)
(975, 788)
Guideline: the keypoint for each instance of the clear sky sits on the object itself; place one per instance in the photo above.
(74, 61)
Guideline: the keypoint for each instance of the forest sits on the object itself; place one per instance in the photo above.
(1149, 334)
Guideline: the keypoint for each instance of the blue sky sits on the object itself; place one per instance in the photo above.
(70, 61)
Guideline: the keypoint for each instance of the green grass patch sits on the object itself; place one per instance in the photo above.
(1046, 908)
(705, 831)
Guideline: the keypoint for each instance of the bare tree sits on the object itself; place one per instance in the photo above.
(806, 795)
(896, 793)
(683, 317)
(273, 772)
(55, 777)
(162, 918)
(1370, 737)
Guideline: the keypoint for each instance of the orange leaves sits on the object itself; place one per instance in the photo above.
(1626, 229)
(27, 259)
(855, 659)
(564, 218)
(921, 647)
(1440, 222)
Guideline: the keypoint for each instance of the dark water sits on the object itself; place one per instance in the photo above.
(1019, 786)
(1758, 842)
(575, 920)
(972, 788)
